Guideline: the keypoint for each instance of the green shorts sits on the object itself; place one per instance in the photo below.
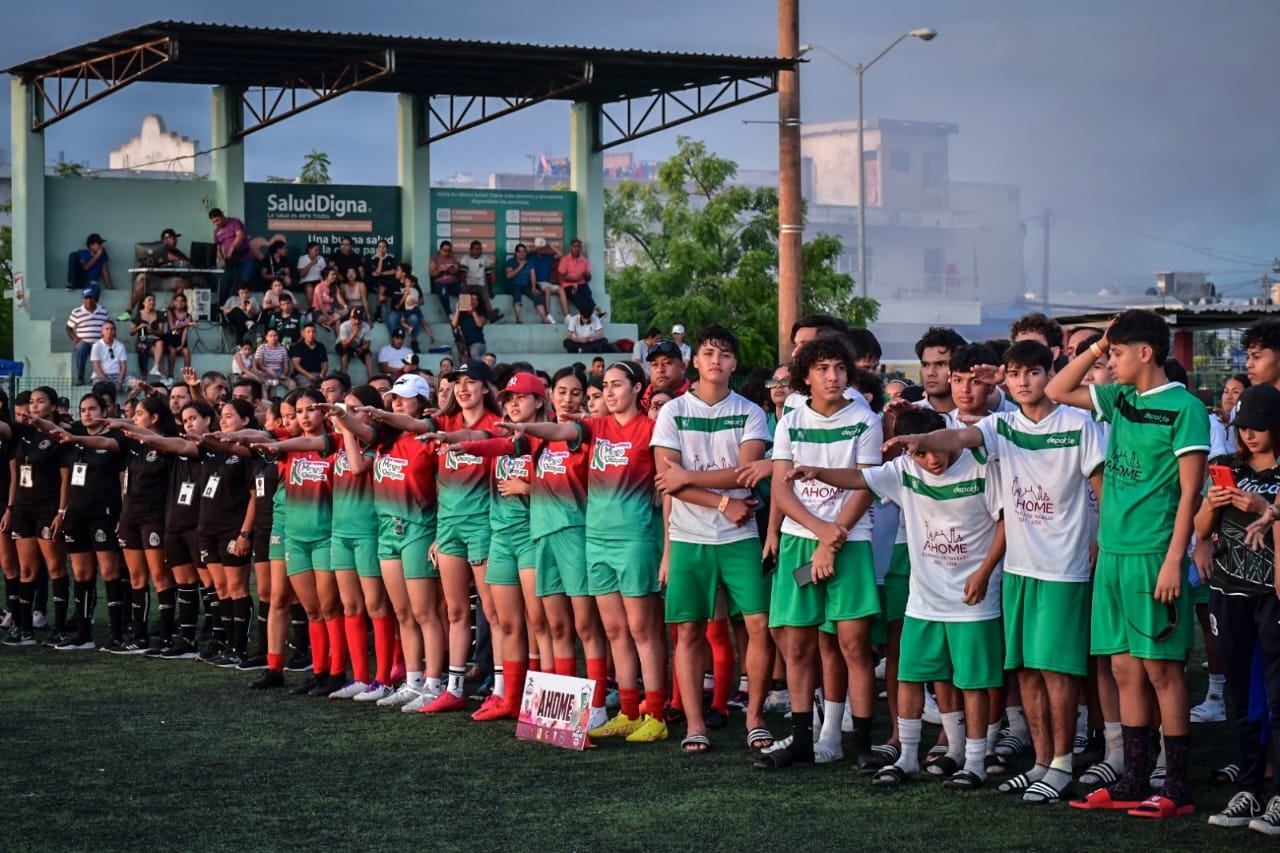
(408, 542)
(627, 566)
(1046, 624)
(510, 552)
(355, 552)
(1200, 594)
(695, 572)
(848, 594)
(1125, 616)
(306, 556)
(893, 594)
(562, 563)
(466, 537)
(275, 548)
(966, 654)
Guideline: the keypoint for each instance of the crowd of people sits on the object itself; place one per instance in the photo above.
(1016, 545)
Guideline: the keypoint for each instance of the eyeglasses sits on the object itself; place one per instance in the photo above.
(775, 383)
(1171, 613)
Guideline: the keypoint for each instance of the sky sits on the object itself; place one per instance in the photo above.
(1149, 127)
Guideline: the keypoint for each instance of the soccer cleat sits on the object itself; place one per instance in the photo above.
(599, 716)
(375, 692)
(55, 639)
(494, 708)
(211, 653)
(111, 647)
(326, 684)
(620, 726)
(444, 703)
(738, 701)
(398, 673)
(158, 651)
(1240, 810)
(253, 663)
(308, 684)
(1269, 822)
(270, 678)
(418, 702)
(182, 649)
(777, 701)
(135, 647)
(931, 713)
(400, 697)
(301, 662)
(228, 660)
(1212, 710)
(350, 690)
(651, 729)
(21, 638)
(75, 644)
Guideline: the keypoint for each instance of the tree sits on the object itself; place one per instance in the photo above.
(68, 169)
(315, 168)
(693, 248)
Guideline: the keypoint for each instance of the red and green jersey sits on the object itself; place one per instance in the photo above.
(620, 478)
(463, 478)
(404, 475)
(558, 490)
(308, 487)
(511, 512)
(353, 513)
(282, 474)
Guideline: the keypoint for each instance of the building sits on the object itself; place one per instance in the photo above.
(155, 149)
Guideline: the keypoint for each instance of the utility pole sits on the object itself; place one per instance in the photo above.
(790, 228)
(1044, 272)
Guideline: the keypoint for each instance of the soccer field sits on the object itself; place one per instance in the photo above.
(112, 753)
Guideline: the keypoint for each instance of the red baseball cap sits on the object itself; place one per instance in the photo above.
(524, 383)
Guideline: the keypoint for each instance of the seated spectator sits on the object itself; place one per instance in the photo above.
(286, 322)
(171, 258)
(242, 362)
(585, 332)
(445, 367)
(543, 259)
(597, 368)
(271, 299)
(353, 340)
(641, 350)
(490, 359)
(477, 271)
(323, 305)
(352, 294)
(309, 357)
(109, 358)
(275, 265)
(271, 361)
(408, 311)
(391, 356)
(575, 280)
(445, 274)
(95, 266)
(242, 312)
(382, 275)
(148, 326)
(468, 327)
(178, 322)
(347, 259)
(84, 328)
(311, 267)
(522, 281)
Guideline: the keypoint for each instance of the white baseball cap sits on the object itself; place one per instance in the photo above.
(677, 329)
(540, 243)
(411, 385)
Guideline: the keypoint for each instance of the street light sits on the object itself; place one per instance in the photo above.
(922, 33)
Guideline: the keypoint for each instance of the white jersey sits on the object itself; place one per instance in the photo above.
(951, 525)
(707, 438)
(796, 400)
(849, 438)
(1044, 471)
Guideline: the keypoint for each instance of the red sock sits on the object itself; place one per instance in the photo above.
(384, 645)
(535, 664)
(357, 635)
(655, 702)
(337, 646)
(630, 699)
(275, 662)
(675, 682)
(319, 648)
(722, 659)
(598, 669)
(515, 671)
(566, 666)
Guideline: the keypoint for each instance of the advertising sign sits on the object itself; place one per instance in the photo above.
(555, 709)
(323, 213)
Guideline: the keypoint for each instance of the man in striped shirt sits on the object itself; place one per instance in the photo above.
(84, 328)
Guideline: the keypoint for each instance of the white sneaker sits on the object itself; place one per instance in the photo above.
(931, 713)
(777, 701)
(599, 716)
(38, 621)
(846, 722)
(7, 621)
(880, 667)
(425, 698)
(400, 697)
(350, 690)
(1212, 710)
(154, 371)
(375, 692)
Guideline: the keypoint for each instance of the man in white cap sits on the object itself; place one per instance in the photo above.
(677, 335)
(543, 259)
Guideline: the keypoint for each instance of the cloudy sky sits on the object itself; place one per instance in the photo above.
(1148, 126)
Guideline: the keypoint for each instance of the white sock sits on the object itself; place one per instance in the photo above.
(953, 725)
(742, 684)
(975, 755)
(993, 735)
(1082, 721)
(909, 737)
(1216, 685)
(499, 682)
(414, 680)
(1113, 734)
(708, 681)
(1059, 775)
(832, 716)
(1160, 760)
(457, 677)
(1018, 723)
(432, 685)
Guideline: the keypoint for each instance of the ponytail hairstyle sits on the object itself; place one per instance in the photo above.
(158, 407)
(243, 408)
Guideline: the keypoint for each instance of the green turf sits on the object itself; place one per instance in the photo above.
(112, 753)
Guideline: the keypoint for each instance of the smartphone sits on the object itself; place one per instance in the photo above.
(1221, 476)
(804, 574)
(769, 564)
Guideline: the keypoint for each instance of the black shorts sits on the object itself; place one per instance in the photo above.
(86, 532)
(173, 340)
(216, 548)
(182, 548)
(262, 545)
(139, 534)
(32, 522)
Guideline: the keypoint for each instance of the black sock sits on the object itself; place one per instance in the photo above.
(11, 596)
(222, 621)
(861, 735)
(801, 748)
(301, 633)
(1177, 755)
(84, 623)
(1134, 783)
(188, 608)
(141, 613)
(115, 608)
(26, 605)
(168, 599)
(243, 609)
(264, 610)
(61, 598)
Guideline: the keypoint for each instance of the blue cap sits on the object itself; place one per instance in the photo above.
(90, 291)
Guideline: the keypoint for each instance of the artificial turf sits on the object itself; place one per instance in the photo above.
(126, 753)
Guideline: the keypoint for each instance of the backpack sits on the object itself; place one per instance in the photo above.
(75, 272)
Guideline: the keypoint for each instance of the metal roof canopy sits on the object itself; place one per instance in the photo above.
(282, 72)
(1184, 318)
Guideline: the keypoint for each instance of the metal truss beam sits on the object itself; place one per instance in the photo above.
(631, 118)
(70, 89)
(447, 115)
(268, 104)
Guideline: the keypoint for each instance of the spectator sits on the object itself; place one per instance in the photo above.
(234, 255)
(468, 326)
(490, 359)
(321, 300)
(242, 312)
(275, 265)
(352, 294)
(287, 323)
(347, 259)
(543, 259)
(585, 332)
(84, 328)
(147, 325)
(271, 299)
(178, 321)
(173, 258)
(445, 274)
(410, 364)
(309, 357)
(445, 367)
(271, 361)
(597, 368)
(353, 340)
(641, 351)
(109, 357)
(677, 335)
(477, 269)
(95, 268)
(242, 362)
(522, 282)
(575, 280)
(408, 311)
(311, 267)
(382, 275)
(391, 357)
(666, 372)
